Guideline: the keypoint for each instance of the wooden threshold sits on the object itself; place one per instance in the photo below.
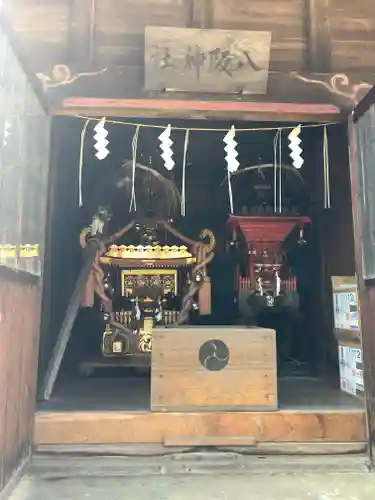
(175, 108)
(289, 426)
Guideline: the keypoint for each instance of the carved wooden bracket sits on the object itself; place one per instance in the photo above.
(121, 82)
(338, 85)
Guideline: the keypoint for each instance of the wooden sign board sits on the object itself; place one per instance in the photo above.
(198, 60)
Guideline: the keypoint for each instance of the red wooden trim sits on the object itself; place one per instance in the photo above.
(185, 105)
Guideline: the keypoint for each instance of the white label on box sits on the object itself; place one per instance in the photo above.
(345, 308)
(351, 373)
(359, 381)
(348, 369)
(359, 355)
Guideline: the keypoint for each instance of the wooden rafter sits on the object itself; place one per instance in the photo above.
(82, 15)
(198, 109)
(318, 35)
(19, 51)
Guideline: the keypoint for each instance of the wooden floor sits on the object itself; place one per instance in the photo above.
(115, 411)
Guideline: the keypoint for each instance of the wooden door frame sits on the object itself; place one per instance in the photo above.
(366, 291)
(363, 105)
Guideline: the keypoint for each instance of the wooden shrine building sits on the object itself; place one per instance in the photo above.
(65, 65)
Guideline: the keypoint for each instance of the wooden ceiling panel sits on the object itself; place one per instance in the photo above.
(287, 54)
(42, 28)
(40, 19)
(126, 49)
(284, 18)
(132, 16)
(353, 34)
(352, 21)
(110, 34)
(352, 55)
(353, 29)
(119, 39)
(119, 31)
(346, 9)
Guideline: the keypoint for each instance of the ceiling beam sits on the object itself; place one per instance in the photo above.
(318, 35)
(81, 41)
(160, 108)
(199, 14)
(20, 53)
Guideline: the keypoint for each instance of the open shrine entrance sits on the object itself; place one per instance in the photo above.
(290, 380)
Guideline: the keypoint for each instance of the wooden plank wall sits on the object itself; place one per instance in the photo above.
(117, 30)
(24, 165)
(284, 18)
(119, 39)
(19, 327)
(352, 34)
(43, 26)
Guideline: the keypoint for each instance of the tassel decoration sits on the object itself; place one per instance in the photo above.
(326, 168)
(295, 149)
(101, 140)
(80, 165)
(133, 204)
(183, 187)
(166, 147)
(277, 172)
(232, 162)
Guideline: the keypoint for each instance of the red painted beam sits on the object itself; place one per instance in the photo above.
(79, 103)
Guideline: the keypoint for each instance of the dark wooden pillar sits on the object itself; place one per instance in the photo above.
(366, 289)
(82, 33)
(318, 36)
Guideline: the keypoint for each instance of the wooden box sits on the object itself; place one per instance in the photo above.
(347, 328)
(213, 369)
(351, 368)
